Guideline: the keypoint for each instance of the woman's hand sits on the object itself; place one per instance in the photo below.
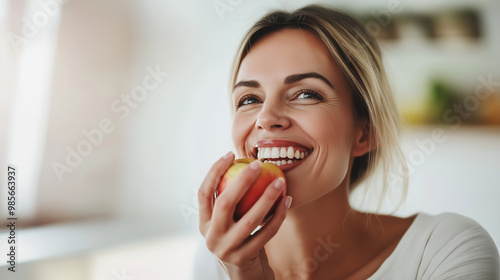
(241, 254)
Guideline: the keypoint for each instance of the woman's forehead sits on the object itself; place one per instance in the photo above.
(286, 52)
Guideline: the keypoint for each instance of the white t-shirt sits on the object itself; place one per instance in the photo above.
(445, 246)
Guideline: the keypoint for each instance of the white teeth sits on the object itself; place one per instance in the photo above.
(264, 153)
(280, 162)
(275, 153)
(282, 152)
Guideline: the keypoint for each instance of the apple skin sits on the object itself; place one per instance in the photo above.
(269, 172)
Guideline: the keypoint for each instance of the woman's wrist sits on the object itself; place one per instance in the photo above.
(249, 272)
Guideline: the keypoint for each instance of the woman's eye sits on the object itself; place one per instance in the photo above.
(247, 100)
(309, 94)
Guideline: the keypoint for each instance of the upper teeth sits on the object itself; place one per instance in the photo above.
(280, 152)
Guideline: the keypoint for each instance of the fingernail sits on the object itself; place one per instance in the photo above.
(255, 164)
(228, 155)
(278, 184)
(288, 201)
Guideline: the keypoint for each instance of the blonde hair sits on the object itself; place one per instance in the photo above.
(358, 56)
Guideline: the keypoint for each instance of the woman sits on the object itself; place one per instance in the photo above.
(313, 80)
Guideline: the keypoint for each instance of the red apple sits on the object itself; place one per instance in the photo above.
(269, 172)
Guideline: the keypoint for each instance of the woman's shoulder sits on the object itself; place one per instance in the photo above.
(446, 245)
(445, 225)
(449, 230)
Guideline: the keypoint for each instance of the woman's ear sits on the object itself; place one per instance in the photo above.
(364, 141)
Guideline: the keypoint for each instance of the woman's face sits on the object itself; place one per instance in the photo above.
(292, 106)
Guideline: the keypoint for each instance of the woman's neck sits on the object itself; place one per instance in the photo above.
(322, 235)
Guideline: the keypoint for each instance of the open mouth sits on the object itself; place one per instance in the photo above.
(282, 153)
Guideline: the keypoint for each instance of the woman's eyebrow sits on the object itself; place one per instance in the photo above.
(288, 80)
(297, 77)
(252, 84)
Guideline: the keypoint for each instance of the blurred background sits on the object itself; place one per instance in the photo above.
(112, 111)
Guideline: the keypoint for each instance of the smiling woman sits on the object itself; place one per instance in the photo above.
(310, 94)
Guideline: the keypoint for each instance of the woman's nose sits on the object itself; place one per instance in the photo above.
(272, 117)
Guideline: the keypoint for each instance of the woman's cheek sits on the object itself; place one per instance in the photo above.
(240, 130)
